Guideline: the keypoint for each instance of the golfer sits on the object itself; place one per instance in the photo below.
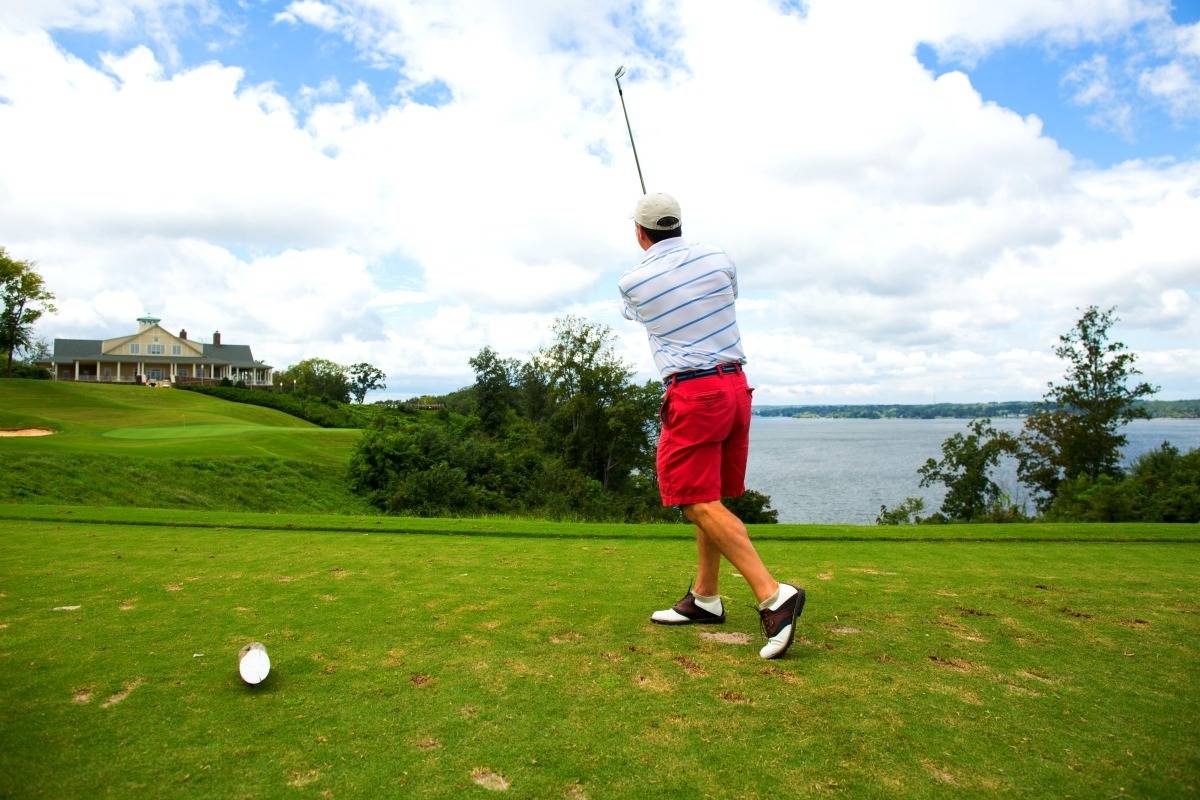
(684, 294)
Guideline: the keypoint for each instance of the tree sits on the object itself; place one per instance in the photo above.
(1077, 434)
(907, 512)
(965, 469)
(494, 390)
(599, 421)
(365, 378)
(319, 377)
(26, 299)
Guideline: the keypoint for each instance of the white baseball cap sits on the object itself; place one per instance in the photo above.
(658, 211)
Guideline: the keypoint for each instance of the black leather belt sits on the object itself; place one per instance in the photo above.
(731, 366)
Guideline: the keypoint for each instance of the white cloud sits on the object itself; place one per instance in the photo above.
(1174, 84)
(897, 236)
(1093, 86)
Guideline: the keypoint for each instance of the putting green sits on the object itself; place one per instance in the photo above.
(184, 431)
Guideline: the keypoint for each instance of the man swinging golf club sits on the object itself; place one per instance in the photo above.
(684, 294)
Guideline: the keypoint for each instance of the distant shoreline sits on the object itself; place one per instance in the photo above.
(1015, 409)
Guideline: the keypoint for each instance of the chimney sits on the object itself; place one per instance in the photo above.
(216, 338)
(183, 334)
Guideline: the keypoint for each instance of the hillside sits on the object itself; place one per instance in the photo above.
(133, 445)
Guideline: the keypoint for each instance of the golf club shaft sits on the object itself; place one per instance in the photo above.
(629, 128)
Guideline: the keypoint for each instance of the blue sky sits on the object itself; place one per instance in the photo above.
(911, 245)
(1029, 77)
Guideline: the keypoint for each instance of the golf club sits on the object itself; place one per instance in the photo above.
(621, 71)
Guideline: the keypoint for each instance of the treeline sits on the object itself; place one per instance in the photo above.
(1155, 409)
(567, 434)
(1068, 453)
(317, 410)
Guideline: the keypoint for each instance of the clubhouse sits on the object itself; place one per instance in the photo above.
(153, 355)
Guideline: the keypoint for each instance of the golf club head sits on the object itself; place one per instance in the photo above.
(620, 71)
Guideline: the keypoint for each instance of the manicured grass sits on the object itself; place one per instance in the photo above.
(404, 663)
(545, 529)
(133, 445)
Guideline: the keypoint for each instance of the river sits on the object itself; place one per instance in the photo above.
(842, 470)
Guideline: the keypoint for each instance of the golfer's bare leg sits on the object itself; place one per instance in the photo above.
(708, 558)
(727, 534)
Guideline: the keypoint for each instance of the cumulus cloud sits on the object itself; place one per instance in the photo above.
(897, 235)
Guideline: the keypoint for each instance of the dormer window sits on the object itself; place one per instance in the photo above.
(154, 349)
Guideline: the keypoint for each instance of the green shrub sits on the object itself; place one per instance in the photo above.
(318, 412)
(752, 508)
(1162, 486)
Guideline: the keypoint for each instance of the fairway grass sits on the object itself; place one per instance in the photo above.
(136, 446)
(418, 665)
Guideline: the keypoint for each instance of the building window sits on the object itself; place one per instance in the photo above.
(154, 349)
(134, 349)
(176, 349)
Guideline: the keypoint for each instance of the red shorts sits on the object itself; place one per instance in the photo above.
(705, 439)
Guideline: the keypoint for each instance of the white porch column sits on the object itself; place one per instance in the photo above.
(173, 372)
(142, 369)
(76, 370)
(97, 372)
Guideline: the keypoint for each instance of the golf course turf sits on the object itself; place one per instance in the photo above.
(127, 445)
(477, 655)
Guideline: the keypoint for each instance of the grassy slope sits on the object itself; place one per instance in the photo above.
(403, 663)
(127, 445)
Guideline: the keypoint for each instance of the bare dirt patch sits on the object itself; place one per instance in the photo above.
(737, 698)
(67, 608)
(328, 598)
(121, 695)
(285, 579)
(726, 638)
(956, 664)
(3, 625)
(845, 630)
(126, 605)
(299, 779)
(1074, 613)
(575, 792)
(82, 696)
(973, 612)
(420, 679)
(1134, 623)
(565, 637)
(825, 576)
(781, 674)
(338, 572)
(946, 593)
(489, 780)
(690, 666)
(871, 571)
(6, 433)
(427, 744)
(174, 587)
(939, 774)
(652, 683)
(1035, 676)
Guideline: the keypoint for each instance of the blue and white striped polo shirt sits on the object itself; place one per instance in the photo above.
(684, 294)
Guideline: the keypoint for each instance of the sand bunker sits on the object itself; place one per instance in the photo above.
(25, 432)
